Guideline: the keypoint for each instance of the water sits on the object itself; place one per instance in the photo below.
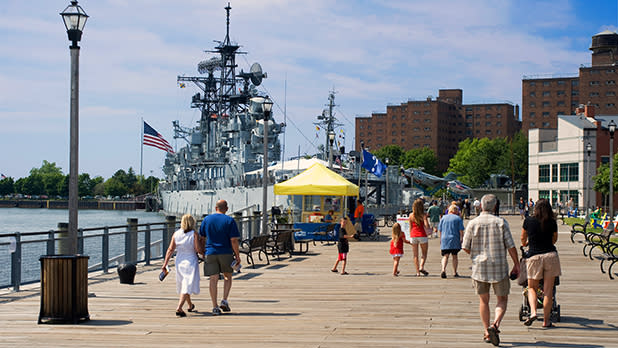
(38, 220)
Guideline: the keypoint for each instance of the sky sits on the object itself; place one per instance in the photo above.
(372, 53)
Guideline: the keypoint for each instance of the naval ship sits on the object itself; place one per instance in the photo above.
(223, 153)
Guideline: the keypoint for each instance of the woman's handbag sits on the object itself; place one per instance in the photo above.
(522, 279)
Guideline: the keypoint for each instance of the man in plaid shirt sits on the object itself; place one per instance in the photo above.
(487, 239)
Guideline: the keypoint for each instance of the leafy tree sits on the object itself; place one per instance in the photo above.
(84, 185)
(601, 180)
(476, 159)
(421, 158)
(32, 185)
(392, 152)
(7, 186)
(115, 187)
(63, 186)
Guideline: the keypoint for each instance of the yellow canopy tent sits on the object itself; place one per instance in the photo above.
(317, 180)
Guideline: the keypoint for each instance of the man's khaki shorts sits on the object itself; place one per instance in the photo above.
(501, 288)
(220, 263)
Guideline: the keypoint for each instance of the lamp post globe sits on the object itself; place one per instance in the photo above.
(74, 18)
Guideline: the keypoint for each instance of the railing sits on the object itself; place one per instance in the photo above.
(107, 246)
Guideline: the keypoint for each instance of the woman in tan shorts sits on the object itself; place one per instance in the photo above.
(540, 233)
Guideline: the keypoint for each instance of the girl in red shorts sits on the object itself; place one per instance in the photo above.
(397, 240)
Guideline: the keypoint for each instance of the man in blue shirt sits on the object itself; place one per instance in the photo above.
(451, 233)
(222, 240)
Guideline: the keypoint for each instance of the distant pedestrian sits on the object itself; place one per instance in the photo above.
(358, 215)
(434, 218)
(343, 246)
(418, 235)
(477, 206)
(487, 239)
(451, 229)
(222, 240)
(396, 249)
(522, 207)
(497, 208)
(187, 244)
(466, 208)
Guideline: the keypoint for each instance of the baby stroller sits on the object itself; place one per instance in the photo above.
(524, 311)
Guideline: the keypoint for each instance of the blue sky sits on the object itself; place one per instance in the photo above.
(373, 53)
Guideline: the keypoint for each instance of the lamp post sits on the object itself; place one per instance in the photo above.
(331, 140)
(74, 19)
(386, 179)
(267, 106)
(612, 129)
(587, 183)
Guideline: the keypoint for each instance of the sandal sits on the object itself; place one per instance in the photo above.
(334, 270)
(486, 339)
(530, 320)
(181, 314)
(192, 308)
(344, 273)
(549, 326)
(425, 273)
(494, 338)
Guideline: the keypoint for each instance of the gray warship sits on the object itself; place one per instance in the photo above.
(224, 150)
(224, 154)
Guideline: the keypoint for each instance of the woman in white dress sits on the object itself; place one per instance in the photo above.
(186, 242)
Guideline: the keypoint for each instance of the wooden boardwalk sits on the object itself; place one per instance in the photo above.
(298, 302)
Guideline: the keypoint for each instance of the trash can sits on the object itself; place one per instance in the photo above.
(64, 289)
(126, 273)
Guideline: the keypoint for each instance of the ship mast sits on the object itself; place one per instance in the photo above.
(328, 122)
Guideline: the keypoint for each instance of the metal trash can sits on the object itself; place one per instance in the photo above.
(64, 289)
(126, 273)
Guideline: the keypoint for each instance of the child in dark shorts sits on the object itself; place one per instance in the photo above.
(343, 246)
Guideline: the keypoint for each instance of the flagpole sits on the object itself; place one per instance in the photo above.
(141, 157)
(362, 158)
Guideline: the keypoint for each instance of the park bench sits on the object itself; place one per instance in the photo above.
(579, 229)
(280, 242)
(256, 244)
(608, 250)
(596, 241)
(610, 255)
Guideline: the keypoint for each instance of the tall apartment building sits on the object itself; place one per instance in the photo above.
(439, 124)
(544, 99)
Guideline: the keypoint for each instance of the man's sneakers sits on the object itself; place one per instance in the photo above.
(216, 311)
(225, 306)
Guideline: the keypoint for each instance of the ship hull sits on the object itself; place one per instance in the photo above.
(240, 199)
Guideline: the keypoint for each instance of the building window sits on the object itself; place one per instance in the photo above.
(533, 94)
(468, 117)
(416, 112)
(594, 94)
(487, 124)
(569, 171)
(427, 129)
(469, 124)
(487, 115)
(427, 120)
(532, 104)
(532, 83)
(544, 194)
(545, 113)
(532, 114)
(594, 72)
(560, 93)
(560, 83)
(610, 82)
(574, 83)
(544, 173)
(468, 108)
(427, 112)
(560, 103)
(546, 83)
(560, 113)
(532, 125)
(594, 83)
(574, 93)
(610, 93)
(545, 124)
(546, 93)
(546, 104)
(498, 115)
(554, 173)
(392, 133)
(610, 105)
(488, 131)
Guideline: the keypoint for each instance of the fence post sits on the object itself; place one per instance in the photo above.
(130, 241)
(147, 245)
(170, 223)
(63, 241)
(16, 263)
(51, 243)
(105, 249)
(80, 241)
(238, 219)
(257, 215)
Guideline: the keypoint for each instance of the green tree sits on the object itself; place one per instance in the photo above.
(601, 180)
(84, 185)
(115, 187)
(421, 158)
(392, 152)
(33, 185)
(476, 159)
(51, 175)
(63, 186)
(7, 186)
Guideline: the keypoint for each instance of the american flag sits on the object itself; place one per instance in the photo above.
(153, 138)
(2, 176)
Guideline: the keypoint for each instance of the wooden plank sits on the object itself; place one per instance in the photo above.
(303, 304)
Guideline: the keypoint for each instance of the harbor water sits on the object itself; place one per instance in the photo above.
(21, 220)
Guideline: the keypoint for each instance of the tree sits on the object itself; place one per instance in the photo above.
(7, 186)
(476, 159)
(50, 175)
(392, 152)
(421, 158)
(601, 180)
(115, 187)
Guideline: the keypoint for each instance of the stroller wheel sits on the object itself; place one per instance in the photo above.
(522, 313)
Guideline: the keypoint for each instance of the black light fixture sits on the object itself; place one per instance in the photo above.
(612, 128)
(74, 18)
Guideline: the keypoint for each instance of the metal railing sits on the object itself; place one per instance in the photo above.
(107, 246)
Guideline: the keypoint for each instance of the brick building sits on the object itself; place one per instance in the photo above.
(439, 124)
(544, 99)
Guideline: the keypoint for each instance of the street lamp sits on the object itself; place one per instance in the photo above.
(267, 106)
(612, 129)
(74, 19)
(586, 180)
(386, 179)
(331, 140)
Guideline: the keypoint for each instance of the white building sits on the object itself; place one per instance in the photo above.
(559, 167)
